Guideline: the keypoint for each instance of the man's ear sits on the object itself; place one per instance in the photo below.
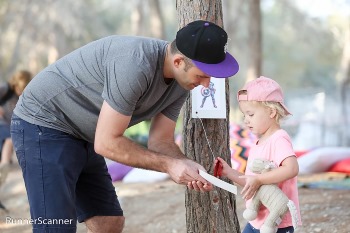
(177, 60)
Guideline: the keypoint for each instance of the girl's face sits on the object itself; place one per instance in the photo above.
(258, 118)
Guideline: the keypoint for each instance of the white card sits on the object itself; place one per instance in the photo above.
(219, 183)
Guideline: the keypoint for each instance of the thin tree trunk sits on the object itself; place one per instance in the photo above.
(213, 211)
(255, 50)
(343, 80)
(156, 20)
(3, 27)
(16, 49)
(137, 18)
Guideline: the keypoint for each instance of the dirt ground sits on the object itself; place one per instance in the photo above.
(160, 207)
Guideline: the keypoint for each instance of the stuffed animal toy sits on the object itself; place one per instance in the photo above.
(272, 197)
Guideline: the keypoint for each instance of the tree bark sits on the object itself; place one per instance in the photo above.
(213, 211)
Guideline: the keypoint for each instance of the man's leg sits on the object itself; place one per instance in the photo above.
(51, 163)
(105, 224)
(65, 181)
(97, 202)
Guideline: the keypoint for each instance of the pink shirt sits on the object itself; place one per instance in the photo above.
(276, 148)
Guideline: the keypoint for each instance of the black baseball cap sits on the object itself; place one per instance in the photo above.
(205, 44)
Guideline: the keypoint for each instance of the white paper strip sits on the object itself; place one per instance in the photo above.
(219, 183)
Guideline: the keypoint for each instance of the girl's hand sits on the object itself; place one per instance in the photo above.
(224, 166)
(252, 184)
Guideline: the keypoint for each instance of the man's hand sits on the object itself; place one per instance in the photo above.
(185, 171)
(199, 186)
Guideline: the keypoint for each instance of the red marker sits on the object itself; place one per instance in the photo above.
(218, 169)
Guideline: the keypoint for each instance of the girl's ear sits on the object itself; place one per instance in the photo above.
(273, 112)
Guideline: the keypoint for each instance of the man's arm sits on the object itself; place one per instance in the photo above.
(163, 155)
(161, 137)
(161, 140)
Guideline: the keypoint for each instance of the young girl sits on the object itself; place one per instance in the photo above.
(261, 102)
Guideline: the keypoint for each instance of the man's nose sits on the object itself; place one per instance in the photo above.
(205, 82)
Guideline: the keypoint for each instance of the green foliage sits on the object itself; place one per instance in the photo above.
(141, 128)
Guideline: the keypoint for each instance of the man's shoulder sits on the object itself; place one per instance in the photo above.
(124, 46)
(132, 39)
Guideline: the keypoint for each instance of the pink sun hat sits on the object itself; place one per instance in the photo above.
(262, 89)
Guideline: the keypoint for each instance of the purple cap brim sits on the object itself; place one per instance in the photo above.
(224, 69)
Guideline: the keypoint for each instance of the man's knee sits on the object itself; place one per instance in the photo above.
(105, 224)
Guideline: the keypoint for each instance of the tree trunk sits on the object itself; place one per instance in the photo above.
(255, 50)
(16, 49)
(156, 20)
(137, 18)
(213, 211)
(343, 80)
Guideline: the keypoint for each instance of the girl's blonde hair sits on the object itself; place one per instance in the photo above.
(280, 112)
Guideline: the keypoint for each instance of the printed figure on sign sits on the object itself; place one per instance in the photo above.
(208, 91)
(203, 107)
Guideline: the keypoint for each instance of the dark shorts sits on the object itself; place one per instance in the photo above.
(65, 179)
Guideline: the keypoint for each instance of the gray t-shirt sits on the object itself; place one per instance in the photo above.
(125, 71)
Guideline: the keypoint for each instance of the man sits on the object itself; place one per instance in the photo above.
(79, 108)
